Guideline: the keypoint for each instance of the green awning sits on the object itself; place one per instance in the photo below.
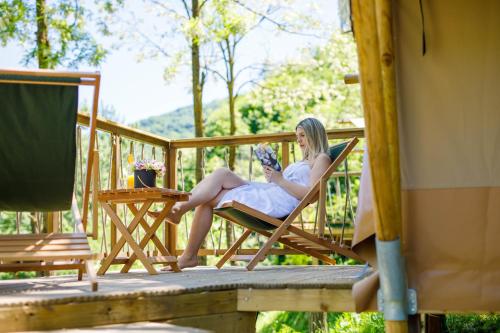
(37, 146)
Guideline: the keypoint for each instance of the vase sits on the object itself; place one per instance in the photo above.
(144, 178)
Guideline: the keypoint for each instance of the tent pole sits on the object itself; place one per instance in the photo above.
(372, 27)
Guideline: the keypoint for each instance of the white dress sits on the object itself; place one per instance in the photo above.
(270, 198)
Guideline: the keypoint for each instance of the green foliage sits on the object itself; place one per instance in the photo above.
(283, 322)
(312, 86)
(473, 323)
(70, 42)
(292, 322)
(359, 323)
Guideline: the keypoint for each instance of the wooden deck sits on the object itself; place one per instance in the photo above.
(199, 297)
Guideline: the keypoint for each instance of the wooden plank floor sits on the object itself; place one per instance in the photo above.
(56, 289)
(197, 295)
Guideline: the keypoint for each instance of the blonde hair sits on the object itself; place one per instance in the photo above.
(317, 141)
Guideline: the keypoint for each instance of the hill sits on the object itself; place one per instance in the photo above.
(178, 123)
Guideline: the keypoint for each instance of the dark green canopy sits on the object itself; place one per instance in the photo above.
(37, 145)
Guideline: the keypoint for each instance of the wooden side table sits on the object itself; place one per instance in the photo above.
(146, 197)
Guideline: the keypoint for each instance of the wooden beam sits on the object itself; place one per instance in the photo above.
(90, 155)
(123, 130)
(95, 191)
(115, 158)
(115, 310)
(351, 78)
(285, 154)
(170, 231)
(253, 139)
(311, 300)
(373, 23)
(380, 114)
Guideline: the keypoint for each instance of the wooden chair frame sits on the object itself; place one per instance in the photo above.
(46, 250)
(285, 232)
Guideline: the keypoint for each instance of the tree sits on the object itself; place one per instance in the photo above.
(231, 21)
(198, 81)
(52, 34)
(228, 26)
(312, 85)
(174, 32)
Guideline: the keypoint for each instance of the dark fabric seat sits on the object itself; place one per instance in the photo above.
(37, 143)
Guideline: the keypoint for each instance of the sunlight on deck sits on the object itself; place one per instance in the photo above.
(137, 283)
(202, 297)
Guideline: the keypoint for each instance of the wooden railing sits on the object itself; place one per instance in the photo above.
(114, 142)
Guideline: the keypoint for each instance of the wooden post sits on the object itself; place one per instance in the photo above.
(53, 222)
(285, 154)
(90, 156)
(351, 78)
(115, 141)
(372, 23)
(95, 191)
(170, 235)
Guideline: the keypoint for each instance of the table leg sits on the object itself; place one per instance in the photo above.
(126, 237)
(150, 235)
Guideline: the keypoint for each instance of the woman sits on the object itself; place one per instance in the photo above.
(276, 198)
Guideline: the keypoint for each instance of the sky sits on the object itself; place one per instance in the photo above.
(137, 90)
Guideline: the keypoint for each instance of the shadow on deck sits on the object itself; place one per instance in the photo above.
(224, 300)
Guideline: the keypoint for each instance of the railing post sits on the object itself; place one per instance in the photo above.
(170, 181)
(115, 141)
(95, 190)
(53, 222)
(285, 154)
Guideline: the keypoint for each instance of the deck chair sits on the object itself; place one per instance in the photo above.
(37, 167)
(282, 230)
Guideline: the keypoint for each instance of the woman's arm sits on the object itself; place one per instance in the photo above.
(320, 165)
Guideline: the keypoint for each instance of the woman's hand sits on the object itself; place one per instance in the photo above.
(272, 175)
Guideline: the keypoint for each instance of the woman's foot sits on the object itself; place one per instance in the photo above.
(182, 263)
(185, 262)
(175, 214)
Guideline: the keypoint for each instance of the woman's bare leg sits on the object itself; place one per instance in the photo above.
(209, 188)
(202, 221)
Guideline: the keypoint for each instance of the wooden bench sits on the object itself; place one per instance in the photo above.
(47, 252)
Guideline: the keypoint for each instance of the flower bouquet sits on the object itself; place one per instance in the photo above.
(145, 172)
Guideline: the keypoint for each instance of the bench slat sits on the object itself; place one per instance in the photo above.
(40, 266)
(34, 248)
(42, 236)
(46, 255)
(15, 242)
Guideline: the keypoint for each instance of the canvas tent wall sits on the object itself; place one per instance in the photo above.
(449, 134)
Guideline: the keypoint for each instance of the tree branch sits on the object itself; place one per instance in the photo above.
(162, 5)
(280, 26)
(186, 8)
(216, 73)
(153, 43)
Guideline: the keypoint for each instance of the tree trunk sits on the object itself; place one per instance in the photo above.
(197, 91)
(232, 119)
(318, 322)
(232, 131)
(197, 100)
(42, 35)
